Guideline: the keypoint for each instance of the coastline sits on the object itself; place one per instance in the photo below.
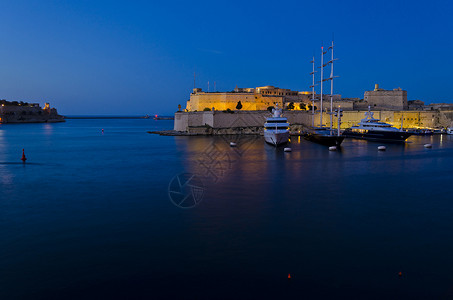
(23, 112)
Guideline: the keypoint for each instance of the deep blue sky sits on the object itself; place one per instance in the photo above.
(138, 57)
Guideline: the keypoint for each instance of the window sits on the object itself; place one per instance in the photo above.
(275, 121)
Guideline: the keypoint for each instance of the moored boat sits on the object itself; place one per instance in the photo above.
(321, 135)
(276, 128)
(421, 131)
(374, 130)
(327, 137)
(324, 137)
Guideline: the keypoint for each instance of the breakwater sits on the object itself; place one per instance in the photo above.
(105, 117)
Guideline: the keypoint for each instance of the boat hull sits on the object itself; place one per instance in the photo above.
(378, 136)
(326, 140)
(276, 138)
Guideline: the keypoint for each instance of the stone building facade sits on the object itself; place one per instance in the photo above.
(260, 98)
(200, 100)
(380, 99)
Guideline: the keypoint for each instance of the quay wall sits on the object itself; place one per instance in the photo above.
(251, 122)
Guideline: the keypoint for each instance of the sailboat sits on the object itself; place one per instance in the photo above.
(321, 134)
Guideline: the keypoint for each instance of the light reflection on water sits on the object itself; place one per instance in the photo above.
(90, 215)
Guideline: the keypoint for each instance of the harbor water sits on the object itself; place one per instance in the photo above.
(106, 215)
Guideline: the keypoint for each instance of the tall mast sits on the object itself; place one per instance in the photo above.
(313, 94)
(322, 68)
(322, 80)
(331, 85)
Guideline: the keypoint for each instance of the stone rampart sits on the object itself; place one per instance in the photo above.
(219, 122)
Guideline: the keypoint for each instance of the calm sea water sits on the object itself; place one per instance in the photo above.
(89, 216)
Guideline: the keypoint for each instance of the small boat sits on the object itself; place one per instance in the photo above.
(450, 130)
(276, 128)
(421, 131)
(374, 130)
(156, 117)
(439, 131)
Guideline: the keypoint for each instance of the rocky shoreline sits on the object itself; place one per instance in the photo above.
(14, 112)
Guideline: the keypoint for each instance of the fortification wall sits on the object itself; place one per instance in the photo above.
(223, 101)
(221, 121)
(384, 99)
(181, 122)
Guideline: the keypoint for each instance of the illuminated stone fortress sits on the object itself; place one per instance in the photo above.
(208, 109)
(259, 98)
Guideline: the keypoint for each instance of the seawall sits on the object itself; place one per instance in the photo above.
(251, 122)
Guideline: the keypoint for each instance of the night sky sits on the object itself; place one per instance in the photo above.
(138, 57)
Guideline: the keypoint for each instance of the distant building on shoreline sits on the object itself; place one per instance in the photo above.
(23, 112)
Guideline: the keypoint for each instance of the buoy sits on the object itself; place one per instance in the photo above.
(400, 274)
(287, 149)
(289, 276)
(428, 145)
(232, 144)
(381, 148)
(23, 156)
(333, 148)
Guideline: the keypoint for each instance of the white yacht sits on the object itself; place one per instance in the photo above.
(372, 129)
(450, 130)
(276, 128)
